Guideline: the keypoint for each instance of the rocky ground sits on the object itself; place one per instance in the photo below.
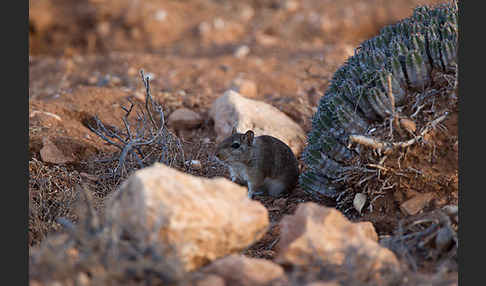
(84, 64)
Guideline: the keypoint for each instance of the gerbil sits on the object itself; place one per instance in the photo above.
(266, 164)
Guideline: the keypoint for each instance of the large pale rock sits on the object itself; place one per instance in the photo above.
(240, 270)
(368, 229)
(198, 219)
(209, 280)
(232, 109)
(245, 87)
(317, 234)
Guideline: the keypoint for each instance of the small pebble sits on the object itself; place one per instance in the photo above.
(160, 15)
(241, 52)
(195, 164)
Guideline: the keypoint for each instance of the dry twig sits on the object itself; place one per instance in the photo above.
(143, 140)
(388, 147)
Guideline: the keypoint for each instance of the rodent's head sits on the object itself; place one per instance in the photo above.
(235, 148)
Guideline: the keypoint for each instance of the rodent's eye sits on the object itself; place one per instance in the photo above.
(235, 145)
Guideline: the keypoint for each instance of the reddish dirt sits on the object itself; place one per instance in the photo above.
(85, 61)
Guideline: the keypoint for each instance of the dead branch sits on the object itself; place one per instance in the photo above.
(432, 231)
(388, 147)
(143, 137)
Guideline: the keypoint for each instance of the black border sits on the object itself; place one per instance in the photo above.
(468, 97)
(14, 207)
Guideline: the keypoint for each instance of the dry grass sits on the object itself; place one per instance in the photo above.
(99, 251)
(51, 195)
(427, 240)
(358, 270)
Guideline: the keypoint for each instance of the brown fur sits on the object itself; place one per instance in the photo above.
(265, 163)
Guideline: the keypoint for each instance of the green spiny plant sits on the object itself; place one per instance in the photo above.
(390, 76)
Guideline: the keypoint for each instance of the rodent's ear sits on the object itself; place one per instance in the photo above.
(249, 136)
(233, 131)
